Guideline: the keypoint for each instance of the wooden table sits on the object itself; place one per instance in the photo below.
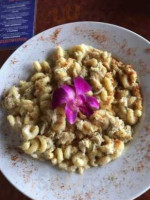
(131, 14)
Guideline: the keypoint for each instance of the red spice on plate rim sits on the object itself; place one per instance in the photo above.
(88, 195)
(147, 50)
(99, 37)
(131, 51)
(25, 46)
(13, 61)
(62, 186)
(96, 35)
(147, 157)
(55, 35)
(14, 157)
(41, 38)
(101, 190)
(140, 167)
(144, 68)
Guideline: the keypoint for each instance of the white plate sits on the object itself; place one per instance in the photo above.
(123, 179)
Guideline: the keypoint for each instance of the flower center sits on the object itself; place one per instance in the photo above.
(75, 103)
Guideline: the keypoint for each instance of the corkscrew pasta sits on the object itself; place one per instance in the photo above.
(92, 141)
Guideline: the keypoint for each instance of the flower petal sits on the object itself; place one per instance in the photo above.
(59, 97)
(70, 90)
(62, 95)
(92, 102)
(81, 85)
(87, 105)
(86, 110)
(70, 114)
(84, 107)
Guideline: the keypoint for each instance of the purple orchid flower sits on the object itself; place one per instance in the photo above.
(75, 99)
